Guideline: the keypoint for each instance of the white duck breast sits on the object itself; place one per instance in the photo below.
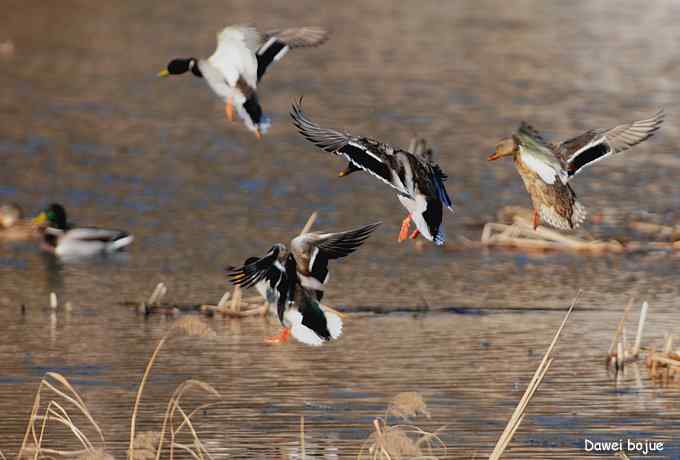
(416, 209)
(545, 170)
(311, 331)
(235, 57)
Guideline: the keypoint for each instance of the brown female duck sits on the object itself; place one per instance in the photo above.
(546, 169)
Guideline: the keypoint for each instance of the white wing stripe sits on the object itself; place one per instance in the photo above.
(367, 150)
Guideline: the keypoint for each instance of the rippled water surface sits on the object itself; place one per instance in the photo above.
(84, 121)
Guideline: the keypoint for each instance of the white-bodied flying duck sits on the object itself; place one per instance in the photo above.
(242, 57)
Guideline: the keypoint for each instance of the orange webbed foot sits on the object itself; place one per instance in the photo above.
(283, 337)
(229, 109)
(536, 219)
(403, 233)
(415, 234)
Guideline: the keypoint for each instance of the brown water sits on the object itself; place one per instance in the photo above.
(84, 121)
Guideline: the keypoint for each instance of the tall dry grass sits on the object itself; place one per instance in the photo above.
(57, 401)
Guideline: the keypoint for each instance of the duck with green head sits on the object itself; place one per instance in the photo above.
(241, 59)
(547, 169)
(68, 241)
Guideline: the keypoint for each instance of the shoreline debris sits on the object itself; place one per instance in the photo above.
(515, 230)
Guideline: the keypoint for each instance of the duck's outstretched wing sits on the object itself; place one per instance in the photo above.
(374, 157)
(256, 269)
(314, 250)
(276, 44)
(595, 145)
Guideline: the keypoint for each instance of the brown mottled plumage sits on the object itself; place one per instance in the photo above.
(546, 169)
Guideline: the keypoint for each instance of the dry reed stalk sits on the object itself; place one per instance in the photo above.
(223, 300)
(333, 310)
(641, 325)
(57, 412)
(520, 411)
(236, 300)
(157, 295)
(174, 405)
(619, 328)
(522, 235)
(54, 303)
(190, 326)
(309, 223)
(302, 437)
(619, 354)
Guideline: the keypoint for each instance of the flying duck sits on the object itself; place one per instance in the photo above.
(547, 169)
(295, 279)
(67, 241)
(418, 180)
(242, 57)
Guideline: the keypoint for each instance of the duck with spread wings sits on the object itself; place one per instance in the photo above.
(295, 279)
(547, 169)
(241, 59)
(417, 179)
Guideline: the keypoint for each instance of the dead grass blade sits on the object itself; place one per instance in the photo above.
(518, 415)
(173, 405)
(58, 413)
(309, 223)
(138, 397)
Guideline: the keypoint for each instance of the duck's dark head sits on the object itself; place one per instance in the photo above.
(504, 148)
(53, 216)
(348, 170)
(181, 65)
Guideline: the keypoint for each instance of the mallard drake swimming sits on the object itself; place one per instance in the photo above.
(64, 240)
(547, 169)
(13, 226)
(418, 180)
(242, 57)
(297, 277)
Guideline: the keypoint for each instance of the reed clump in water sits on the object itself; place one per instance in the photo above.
(515, 230)
(402, 441)
(65, 406)
(190, 326)
(664, 365)
(65, 403)
(232, 304)
(619, 353)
